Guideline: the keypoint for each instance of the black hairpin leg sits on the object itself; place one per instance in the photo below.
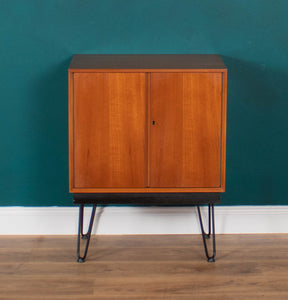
(205, 235)
(85, 236)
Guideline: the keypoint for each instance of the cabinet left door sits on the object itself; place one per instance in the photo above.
(109, 135)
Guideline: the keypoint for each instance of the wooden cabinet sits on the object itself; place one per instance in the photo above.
(147, 130)
(147, 123)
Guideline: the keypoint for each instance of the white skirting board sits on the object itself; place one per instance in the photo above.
(142, 220)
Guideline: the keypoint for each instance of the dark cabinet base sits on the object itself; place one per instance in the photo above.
(147, 199)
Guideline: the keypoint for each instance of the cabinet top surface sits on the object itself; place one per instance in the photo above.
(146, 61)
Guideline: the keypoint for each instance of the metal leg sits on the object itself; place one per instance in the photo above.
(205, 235)
(85, 236)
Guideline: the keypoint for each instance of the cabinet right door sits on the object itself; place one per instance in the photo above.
(185, 130)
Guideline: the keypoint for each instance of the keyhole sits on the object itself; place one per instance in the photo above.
(153, 122)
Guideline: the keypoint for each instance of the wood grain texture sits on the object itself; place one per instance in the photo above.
(116, 149)
(144, 267)
(109, 130)
(185, 141)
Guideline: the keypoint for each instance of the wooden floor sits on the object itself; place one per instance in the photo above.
(144, 267)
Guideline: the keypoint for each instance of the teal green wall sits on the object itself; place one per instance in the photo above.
(38, 39)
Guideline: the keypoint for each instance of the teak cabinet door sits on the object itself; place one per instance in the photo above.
(109, 134)
(185, 130)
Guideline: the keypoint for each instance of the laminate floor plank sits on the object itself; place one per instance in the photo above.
(115, 269)
(144, 267)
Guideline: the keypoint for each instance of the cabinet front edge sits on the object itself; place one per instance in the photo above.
(146, 70)
(147, 190)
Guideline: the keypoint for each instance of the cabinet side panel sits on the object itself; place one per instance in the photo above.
(109, 130)
(70, 128)
(224, 126)
(186, 138)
